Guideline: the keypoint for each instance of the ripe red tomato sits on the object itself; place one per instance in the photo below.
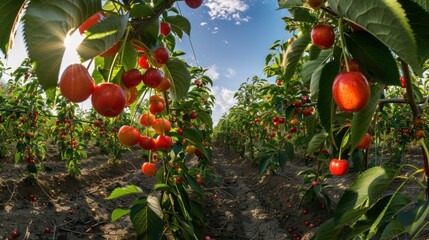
(131, 78)
(128, 136)
(143, 62)
(163, 142)
(108, 99)
(111, 51)
(131, 95)
(161, 126)
(164, 85)
(165, 28)
(338, 167)
(76, 84)
(194, 3)
(351, 91)
(152, 77)
(95, 18)
(146, 142)
(147, 119)
(148, 169)
(365, 142)
(322, 36)
(162, 55)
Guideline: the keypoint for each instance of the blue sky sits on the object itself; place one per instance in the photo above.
(230, 37)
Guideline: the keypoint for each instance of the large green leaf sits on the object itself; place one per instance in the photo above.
(386, 20)
(419, 21)
(102, 36)
(392, 230)
(324, 102)
(9, 9)
(179, 24)
(361, 120)
(118, 213)
(180, 78)
(329, 230)
(363, 193)
(263, 165)
(374, 58)
(119, 192)
(293, 54)
(146, 216)
(423, 3)
(414, 217)
(309, 67)
(317, 141)
(46, 24)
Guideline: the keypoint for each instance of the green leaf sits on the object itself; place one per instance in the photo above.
(423, 3)
(302, 15)
(102, 36)
(162, 187)
(328, 230)
(290, 3)
(263, 165)
(118, 213)
(194, 185)
(130, 57)
(119, 192)
(310, 66)
(317, 141)
(315, 80)
(282, 157)
(205, 117)
(392, 230)
(46, 24)
(293, 54)
(314, 52)
(180, 78)
(363, 193)
(9, 9)
(361, 120)
(414, 217)
(419, 21)
(179, 24)
(324, 102)
(386, 20)
(374, 58)
(290, 150)
(146, 216)
(141, 11)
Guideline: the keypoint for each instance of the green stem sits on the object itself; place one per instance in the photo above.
(343, 45)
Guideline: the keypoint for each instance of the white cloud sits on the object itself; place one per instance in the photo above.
(228, 10)
(203, 24)
(215, 30)
(230, 73)
(223, 102)
(213, 72)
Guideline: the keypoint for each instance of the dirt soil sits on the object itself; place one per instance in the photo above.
(241, 205)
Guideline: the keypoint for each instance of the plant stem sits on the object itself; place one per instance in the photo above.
(343, 45)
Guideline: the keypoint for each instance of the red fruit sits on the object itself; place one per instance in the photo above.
(148, 169)
(193, 115)
(207, 238)
(338, 167)
(164, 85)
(95, 18)
(288, 136)
(200, 181)
(294, 121)
(307, 112)
(146, 142)
(315, 4)
(156, 107)
(179, 179)
(322, 36)
(161, 126)
(353, 66)
(278, 82)
(161, 55)
(131, 78)
(108, 99)
(152, 77)
(198, 153)
(111, 51)
(304, 211)
(351, 91)
(76, 84)
(165, 28)
(297, 104)
(130, 95)
(143, 62)
(47, 230)
(180, 131)
(365, 142)
(402, 79)
(276, 119)
(194, 3)
(293, 130)
(282, 120)
(128, 136)
(15, 234)
(163, 142)
(147, 119)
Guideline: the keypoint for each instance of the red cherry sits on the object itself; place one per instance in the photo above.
(365, 142)
(322, 36)
(161, 126)
(128, 136)
(163, 142)
(156, 107)
(76, 84)
(194, 3)
(147, 119)
(143, 62)
(402, 79)
(47, 230)
(130, 95)
(148, 169)
(131, 78)
(282, 120)
(338, 167)
(276, 119)
(108, 99)
(164, 85)
(146, 142)
(193, 115)
(351, 91)
(165, 28)
(152, 77)
(162, 55)
(200, 181)
(92, 20)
